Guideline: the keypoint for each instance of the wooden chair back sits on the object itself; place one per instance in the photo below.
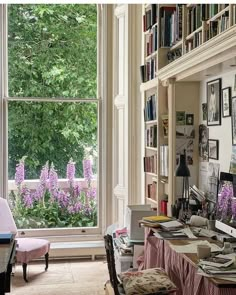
(111, 263)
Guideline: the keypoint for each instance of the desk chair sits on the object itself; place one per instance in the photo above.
(27, 249)
(150, 281)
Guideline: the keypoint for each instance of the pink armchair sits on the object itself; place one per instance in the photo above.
(27, 249)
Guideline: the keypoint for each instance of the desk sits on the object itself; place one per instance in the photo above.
(182, 269)
(7, 253)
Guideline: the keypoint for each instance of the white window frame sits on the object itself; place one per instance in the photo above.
(71, 234)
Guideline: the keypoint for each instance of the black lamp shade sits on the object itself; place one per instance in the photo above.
(182, 169)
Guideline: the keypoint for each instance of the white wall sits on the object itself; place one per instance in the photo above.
(222, 132)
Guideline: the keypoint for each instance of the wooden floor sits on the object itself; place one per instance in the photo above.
(80, 277)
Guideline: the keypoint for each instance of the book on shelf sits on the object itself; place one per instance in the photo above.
(152, 190)
(150, 164)
(150, 108)
(164, 151)
(166, 18)
(150, 17)
(151, 136)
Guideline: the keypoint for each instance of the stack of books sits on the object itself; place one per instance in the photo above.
(220, 265)
(154, 221)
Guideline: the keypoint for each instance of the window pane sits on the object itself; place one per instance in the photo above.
(43, 138)
(52, 50)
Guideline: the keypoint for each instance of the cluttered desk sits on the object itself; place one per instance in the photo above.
(192, 257)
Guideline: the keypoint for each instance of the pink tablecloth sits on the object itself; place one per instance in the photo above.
(158, 253)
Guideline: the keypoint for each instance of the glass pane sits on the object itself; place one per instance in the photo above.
(53, 163)
(52, 50)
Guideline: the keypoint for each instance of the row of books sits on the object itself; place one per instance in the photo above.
(166, 26)
(194, 42)
(213, 9)
(151, 136)
(152, 190)
(176, 25)
(148, 70)
(164, 160)
(152, 41)
(195, 16)
(150, 108)
(218, 26)
(150, 17)
(150, 164)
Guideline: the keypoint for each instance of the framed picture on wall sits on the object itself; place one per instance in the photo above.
(214, 102)
(226, 102)
(233, 119)
(213, 149)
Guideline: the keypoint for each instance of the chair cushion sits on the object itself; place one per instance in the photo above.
(149, 281)
(31, 248)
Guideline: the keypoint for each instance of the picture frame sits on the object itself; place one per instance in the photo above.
(233, 119)
(226, 102)
(189, 119)
(213, 149)
(214, 102)
(180, 118)
(204, 111)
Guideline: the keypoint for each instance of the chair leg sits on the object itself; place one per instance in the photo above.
(46, 261)
(24, 265)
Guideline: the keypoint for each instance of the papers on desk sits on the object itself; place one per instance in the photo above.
(184, 233)
(170, 225)
(226, 270)
(170, 235)
(192, 247)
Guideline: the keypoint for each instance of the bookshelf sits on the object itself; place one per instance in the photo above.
(194, 41)
(154, 98)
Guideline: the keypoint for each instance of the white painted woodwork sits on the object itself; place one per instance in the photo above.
(126, 111)
(213, 52)
(120, 107)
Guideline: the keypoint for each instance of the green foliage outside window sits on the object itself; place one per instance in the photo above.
(52, 52)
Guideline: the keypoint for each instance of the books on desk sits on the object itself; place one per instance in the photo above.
(154, 221)
(171, 225)
(170, 235)
(6, 238)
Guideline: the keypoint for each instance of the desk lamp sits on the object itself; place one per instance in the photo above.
(183, 171)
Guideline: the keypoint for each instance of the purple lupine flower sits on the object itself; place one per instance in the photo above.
(20, 172)
(91, 193)
(70, 209)
(53, 179)
(78, 207)
(88, 210)
(27, 198)
(70, 171)
(88, 172)
(63, 198)
(44, 174)
(233, 206)
(224, 201)
(39, 193)
(73, 209)
(77, 190)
